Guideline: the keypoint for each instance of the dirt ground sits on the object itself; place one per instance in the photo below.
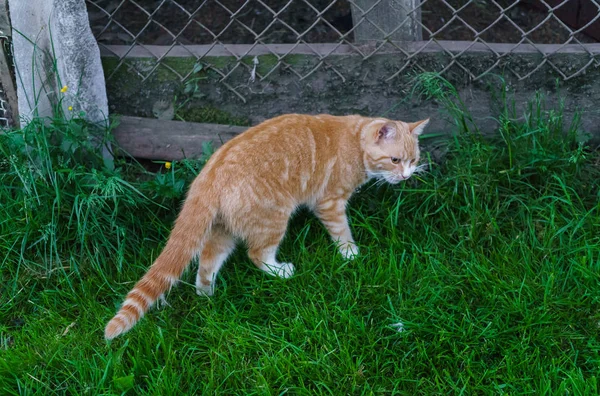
(212, 21)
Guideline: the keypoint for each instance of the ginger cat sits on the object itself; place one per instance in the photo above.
(253, 183)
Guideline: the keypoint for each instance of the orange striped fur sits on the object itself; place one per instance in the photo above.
(252, 184)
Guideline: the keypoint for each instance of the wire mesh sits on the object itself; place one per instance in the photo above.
(181, 26)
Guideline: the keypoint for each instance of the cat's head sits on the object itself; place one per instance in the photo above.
(391, 149)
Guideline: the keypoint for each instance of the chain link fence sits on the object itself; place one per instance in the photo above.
(5, 46)
(242, 29)
(8, 96)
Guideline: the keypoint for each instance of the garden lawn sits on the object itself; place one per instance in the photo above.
(480, 276)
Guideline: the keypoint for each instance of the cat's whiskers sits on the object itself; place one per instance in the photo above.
(421, 168)
(379, 179)
(380, 182)
(389, 177)
(379, 175)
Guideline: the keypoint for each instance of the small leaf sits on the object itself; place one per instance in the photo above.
(109, 162)
(197, 68)
(207, 148)
(124, 383)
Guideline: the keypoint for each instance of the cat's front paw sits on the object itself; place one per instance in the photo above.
(205, 290)
(349, 251)
(202, 288)
(282, 270)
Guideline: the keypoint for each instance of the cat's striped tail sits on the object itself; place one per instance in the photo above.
(192, 225)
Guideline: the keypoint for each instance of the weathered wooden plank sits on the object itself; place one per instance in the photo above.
(169, 140)
(587, 15)
(575, 13)
(567, 10)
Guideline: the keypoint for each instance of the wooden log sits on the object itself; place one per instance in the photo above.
(587, 13)
(387, 15)
(169, 140)
(567, 12)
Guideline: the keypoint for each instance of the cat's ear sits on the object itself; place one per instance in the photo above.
(417, 128)
(387, 131)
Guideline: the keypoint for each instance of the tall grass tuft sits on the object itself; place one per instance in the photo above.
(65, 212)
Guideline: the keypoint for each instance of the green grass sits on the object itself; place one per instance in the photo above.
(490, 261)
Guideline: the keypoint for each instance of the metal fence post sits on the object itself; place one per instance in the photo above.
(394, 20)
(9, 115)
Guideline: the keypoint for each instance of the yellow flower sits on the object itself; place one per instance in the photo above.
(64, 89)
(168, 165)
(70, 108)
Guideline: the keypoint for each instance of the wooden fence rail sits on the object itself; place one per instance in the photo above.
(169, 140)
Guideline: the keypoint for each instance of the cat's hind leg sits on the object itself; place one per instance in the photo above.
(264, 241)
(216, 250)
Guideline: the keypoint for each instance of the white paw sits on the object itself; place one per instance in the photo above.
(349, 251)
(282, 270)
(205, 290)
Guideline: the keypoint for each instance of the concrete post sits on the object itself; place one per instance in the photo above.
(387, 15)
(54, 48)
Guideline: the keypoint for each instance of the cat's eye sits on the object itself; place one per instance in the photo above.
(395, 160)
